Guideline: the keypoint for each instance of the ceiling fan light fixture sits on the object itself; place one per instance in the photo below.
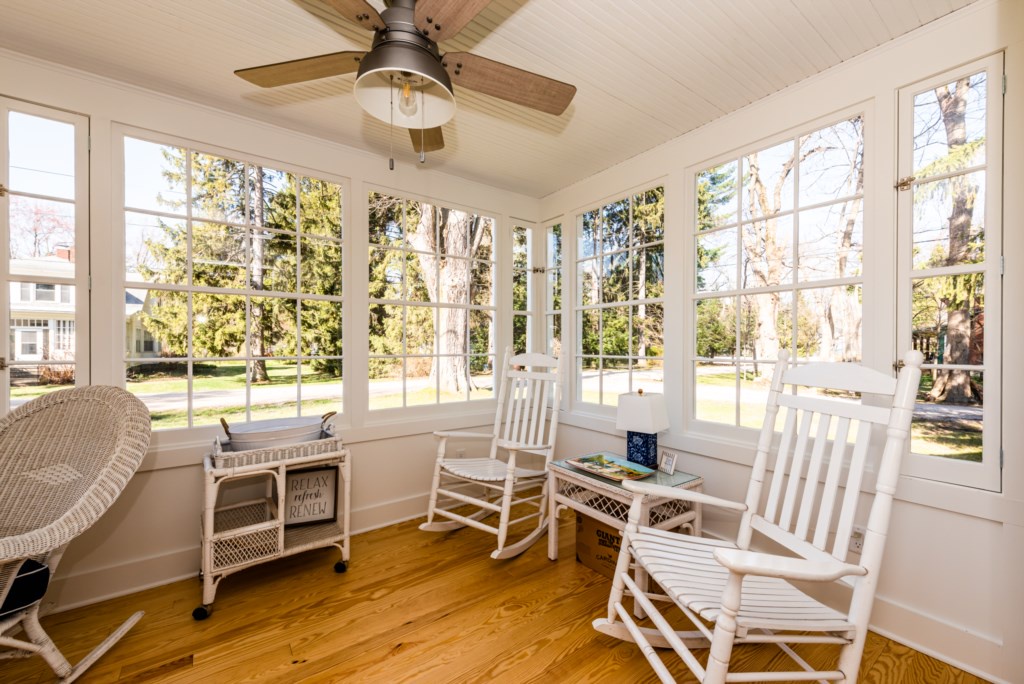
(424, 98)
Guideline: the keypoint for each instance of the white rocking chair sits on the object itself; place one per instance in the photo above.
(64, 459)
(491, 485)
(745, 595)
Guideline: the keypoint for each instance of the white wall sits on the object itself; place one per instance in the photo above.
(951, 583)
(151, 535)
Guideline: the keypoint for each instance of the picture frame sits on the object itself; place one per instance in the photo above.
(311, 496)
(667, 462)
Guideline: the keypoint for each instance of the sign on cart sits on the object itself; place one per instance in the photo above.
(311, 496)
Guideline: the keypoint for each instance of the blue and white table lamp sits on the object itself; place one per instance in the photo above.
(642, 416)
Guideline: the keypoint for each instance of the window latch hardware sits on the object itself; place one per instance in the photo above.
(3, 363)
(905, 182)
(537, 269)
(3, 190)
(897, 366)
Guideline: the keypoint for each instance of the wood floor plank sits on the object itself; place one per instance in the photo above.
(414, 606)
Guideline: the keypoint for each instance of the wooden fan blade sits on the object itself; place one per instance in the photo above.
(509, 83)
(359, 12)
(441, 19)
(299, 70)
(432, 140)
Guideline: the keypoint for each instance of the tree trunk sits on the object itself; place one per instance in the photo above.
(954, 386)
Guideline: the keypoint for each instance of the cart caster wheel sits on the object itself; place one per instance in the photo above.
(340, 566)
(200, 613)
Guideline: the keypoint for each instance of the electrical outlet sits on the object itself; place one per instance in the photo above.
(857, 539)
(460, 453)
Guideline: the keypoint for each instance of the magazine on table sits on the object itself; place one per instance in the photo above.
(611, 466)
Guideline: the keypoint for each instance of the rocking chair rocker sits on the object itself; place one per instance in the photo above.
(747, 596)
(490, 484)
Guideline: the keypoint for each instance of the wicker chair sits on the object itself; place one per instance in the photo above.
(64, 459)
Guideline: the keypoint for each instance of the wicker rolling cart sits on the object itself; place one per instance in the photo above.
(240, 535)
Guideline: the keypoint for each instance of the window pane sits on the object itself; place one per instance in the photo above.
(554, 290)
(481, 332)
(321, 386)
(274, 390)
(385, 278)
(154, 176)
(768, 252)
(768, 181)
(589, 374)
(418, 268)
(321, 267)
(948, 323)
(614, 380)
(163, 388)
(387, 225)
(555, 246)
(520, 283)
(155, 249)
(481, 284)
(481, 380)
(554, 335)
(159, 317)
(829, 323)
(831, 241)
(615, 331)
(420, 388)
(715, 391)
(589, 326)
(272, 265)
(832, 162)
(272, 201)
(755, 381)
(940, 147)
(716, 327)
(42, 237)
(218, 391)
(588, 235)
(716, 261)
(271, 327)
(649, 216)
(218, 188)
(948, 415)
(648, 330)
(520, 334)
(615, 223)
(453, 371)
(648, 272)
(321, 329)
(588, 282)
(42, 156)
(615, 278)
(320, 206)
(765, 325)
(482, 239)
(387, 322)
(218, 256)
(716, 196)
(385, 385)
(454, 280)
(419, 330)
(948, 221)
(647, 374)
(452, 325)
(218, 322)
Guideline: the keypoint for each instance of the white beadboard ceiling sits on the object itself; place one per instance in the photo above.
(646, 71)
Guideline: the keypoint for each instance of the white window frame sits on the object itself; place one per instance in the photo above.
(553, 270)
(987, 474)
(737, 434)
(121, 283)
(499, 331)
(532, 311)
(80, 281)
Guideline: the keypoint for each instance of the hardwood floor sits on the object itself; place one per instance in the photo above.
(413, 607)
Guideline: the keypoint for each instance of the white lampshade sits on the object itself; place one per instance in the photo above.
(642, 413)
(385, 71)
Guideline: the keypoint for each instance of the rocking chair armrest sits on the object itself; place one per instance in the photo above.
(661, 491)
(785, 567)
(445, 434)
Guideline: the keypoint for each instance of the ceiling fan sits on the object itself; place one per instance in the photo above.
(404, 79)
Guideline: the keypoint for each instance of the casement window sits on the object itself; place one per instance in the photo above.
(232, 286)
(431, 311)
(44, 221)
(620, 281)
(553, 290)
(778, 256)
(949, 260)
(522, 290)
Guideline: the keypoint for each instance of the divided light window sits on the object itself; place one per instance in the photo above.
(431, 317)
(233, 299)
(522, 289)
(620, 313)
(778, 252)
(553, 291)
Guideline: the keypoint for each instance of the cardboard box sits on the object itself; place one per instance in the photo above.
(597, 545)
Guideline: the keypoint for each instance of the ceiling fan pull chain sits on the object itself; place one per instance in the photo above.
(423, 126)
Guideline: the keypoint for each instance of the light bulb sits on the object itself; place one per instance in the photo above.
(407, 102)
